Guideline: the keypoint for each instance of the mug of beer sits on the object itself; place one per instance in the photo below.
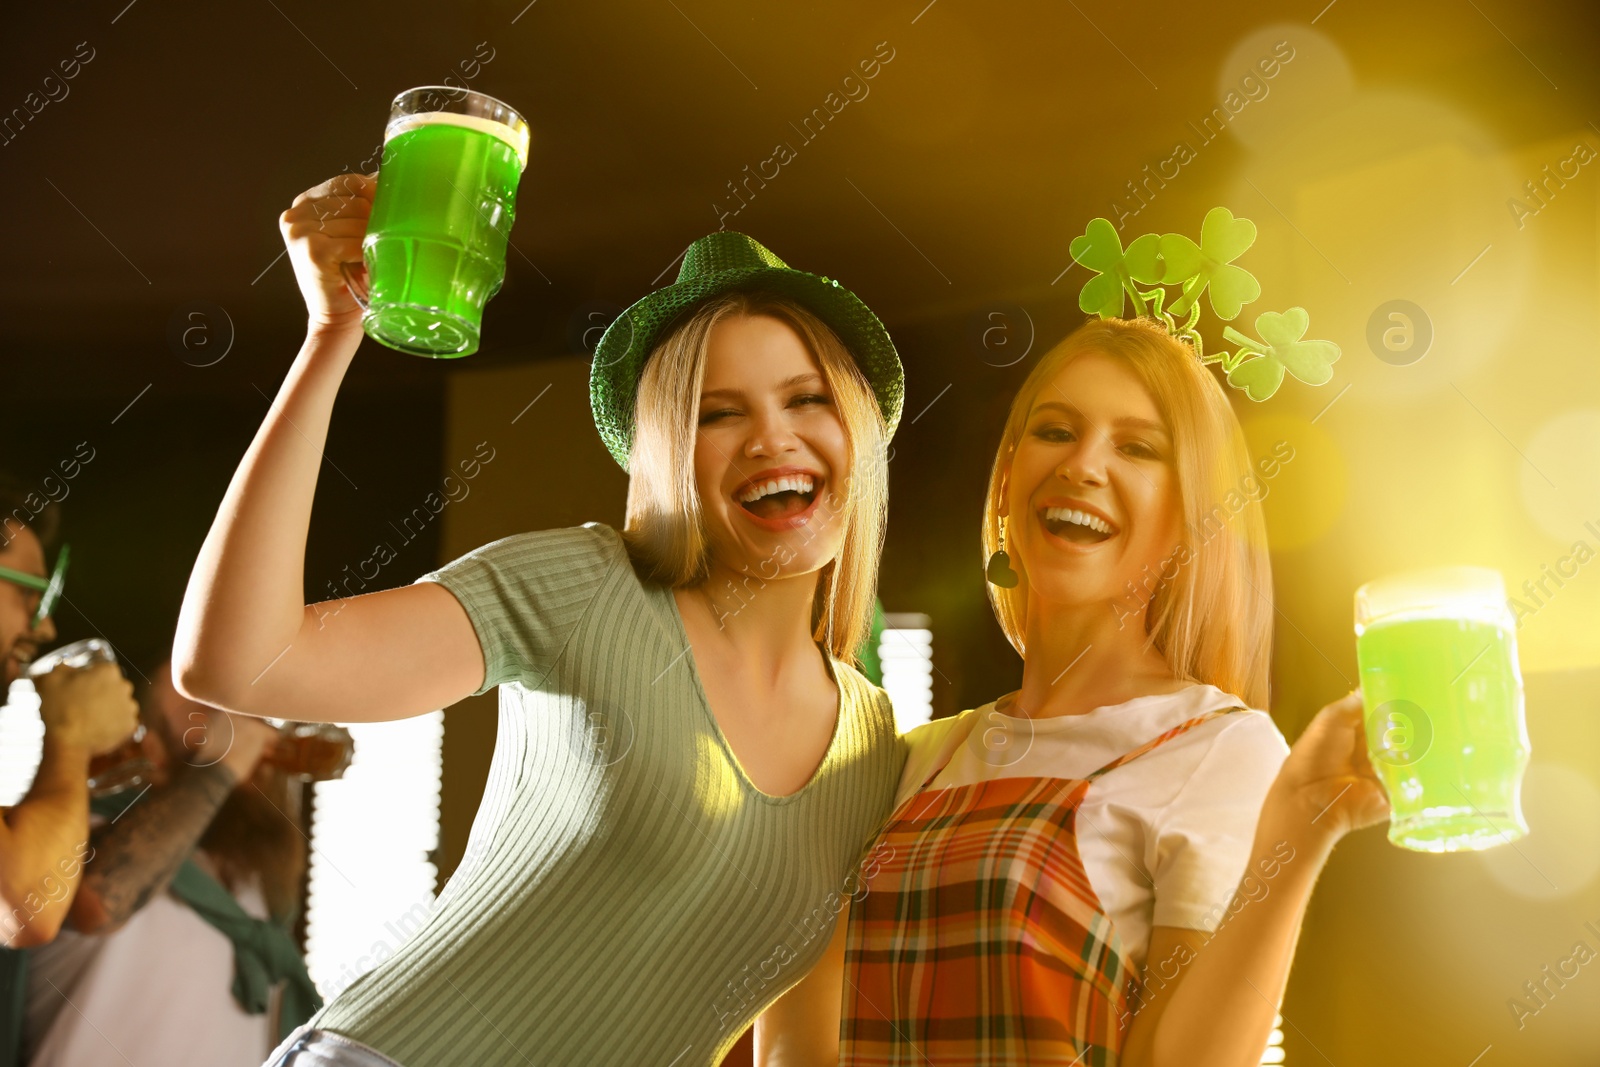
(124, 767)
(311, 751)
(1443, 701)
(435, 248)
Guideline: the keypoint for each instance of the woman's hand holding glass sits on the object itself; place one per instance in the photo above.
(323, 230)
(1327, 787)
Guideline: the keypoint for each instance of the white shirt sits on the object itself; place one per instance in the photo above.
(157, 991)
(1165, 838)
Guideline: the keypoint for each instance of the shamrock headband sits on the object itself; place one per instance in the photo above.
(1257, 367)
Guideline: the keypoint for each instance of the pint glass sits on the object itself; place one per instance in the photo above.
(311, 751)
(1444, 706)
(124, 767)
(435, 248)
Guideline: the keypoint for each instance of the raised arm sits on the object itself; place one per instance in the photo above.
(246, 639)
(44, 839)
(1211, 998)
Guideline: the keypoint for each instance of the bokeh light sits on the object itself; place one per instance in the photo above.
(1561, 854)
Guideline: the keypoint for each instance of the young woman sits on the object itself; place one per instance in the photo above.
(1110, 865)
(640, 899)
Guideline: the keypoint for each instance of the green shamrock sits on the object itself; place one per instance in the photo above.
(1258, 366)
(1144, 261)
(1100, 249)
(1209, 265)
(1151, 262)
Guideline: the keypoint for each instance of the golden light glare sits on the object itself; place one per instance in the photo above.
(1305, 499)
(1561, 854)
(1560, 482)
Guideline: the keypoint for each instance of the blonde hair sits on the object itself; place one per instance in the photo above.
(1212, 620)
(665, 529)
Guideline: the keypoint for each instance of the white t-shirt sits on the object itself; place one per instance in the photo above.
(1165, 838)
(157, 991)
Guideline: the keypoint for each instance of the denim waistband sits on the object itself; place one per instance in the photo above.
(323, 1048)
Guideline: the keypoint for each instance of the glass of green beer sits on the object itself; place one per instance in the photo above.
(1443, 701)
(435, 249)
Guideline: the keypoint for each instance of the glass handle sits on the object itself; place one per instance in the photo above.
(356, 282)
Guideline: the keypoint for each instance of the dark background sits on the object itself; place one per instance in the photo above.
(947, 195)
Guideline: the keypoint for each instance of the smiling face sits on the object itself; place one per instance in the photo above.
(1091, 492)
(19, 640)
(771, 452)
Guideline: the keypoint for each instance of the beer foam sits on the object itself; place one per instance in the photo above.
(517, 140)
(1488, 615)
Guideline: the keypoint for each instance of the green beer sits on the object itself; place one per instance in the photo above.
(1444, 707)
(435, 248)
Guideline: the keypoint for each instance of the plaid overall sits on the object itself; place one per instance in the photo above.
(980, 940)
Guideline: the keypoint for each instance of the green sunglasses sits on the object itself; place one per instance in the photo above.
(48, 588)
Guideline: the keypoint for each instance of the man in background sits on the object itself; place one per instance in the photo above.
(44, 838)
(179, 948)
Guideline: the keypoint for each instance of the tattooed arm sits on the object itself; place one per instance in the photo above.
(136, 855)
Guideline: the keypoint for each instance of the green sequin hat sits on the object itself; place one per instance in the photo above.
(718, 263)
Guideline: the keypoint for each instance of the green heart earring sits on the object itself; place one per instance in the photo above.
(999, 571)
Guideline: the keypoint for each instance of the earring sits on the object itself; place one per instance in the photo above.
(999, 571)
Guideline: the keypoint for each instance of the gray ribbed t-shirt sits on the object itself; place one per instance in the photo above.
(628, 896)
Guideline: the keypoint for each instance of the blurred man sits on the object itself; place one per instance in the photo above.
(44, 838)
(181, 930)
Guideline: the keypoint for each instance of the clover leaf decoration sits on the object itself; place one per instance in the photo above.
(1209, 265)
(1100, 249)
(1257, 367)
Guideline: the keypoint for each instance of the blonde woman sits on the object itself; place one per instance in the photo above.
(1129, 813)
(687, 764)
